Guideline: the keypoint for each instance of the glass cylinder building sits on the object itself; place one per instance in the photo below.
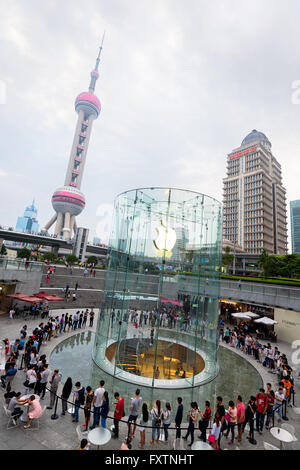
(158, 324)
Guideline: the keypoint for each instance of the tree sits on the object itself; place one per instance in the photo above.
(227, 258)
(92, 260)
(3, 251)
(71, 259)
(263, 261)
(50, 256)
(24, 253)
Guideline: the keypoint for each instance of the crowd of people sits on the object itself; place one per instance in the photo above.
(228, 421)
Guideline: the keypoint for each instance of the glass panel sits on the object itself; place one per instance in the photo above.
(159, 319)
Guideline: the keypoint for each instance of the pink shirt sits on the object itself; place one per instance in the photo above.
(240, 412)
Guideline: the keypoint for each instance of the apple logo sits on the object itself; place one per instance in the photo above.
(165, 240)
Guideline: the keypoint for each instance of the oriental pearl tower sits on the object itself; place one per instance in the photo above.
(68, 201)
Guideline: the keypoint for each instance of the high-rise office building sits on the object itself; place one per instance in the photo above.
(28, 223)
(295, 225)
(254, 212)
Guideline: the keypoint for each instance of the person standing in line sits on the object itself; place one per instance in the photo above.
(144, 418)
(66, 322)
(213, 438)
(279, 400)
(240, 417)
(262, 405)
(80, 320)
(193, 418)
(87, 407)
(156, 414)
(78, 401)
(92, 315)
(85, 316)
(54, 382)
(43, 382)
(271, 403)
(221, 413)
(66, 392)
(118, 414)
(75, 321)
(134, 412)
(104, 409)
(204, 422)
(61, 323)
(249, 417)
(98, 395)
(178, 417)
(232, 414)
(167, 420)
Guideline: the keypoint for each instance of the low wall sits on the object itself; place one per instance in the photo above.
(288, 327)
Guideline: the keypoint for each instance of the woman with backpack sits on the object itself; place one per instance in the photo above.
(156, 414)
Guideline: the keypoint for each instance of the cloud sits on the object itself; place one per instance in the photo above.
(180, 87)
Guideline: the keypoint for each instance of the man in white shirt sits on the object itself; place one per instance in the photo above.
(98, 395)
(279, 399)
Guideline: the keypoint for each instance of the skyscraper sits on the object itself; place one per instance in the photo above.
(68, 201)
(295, 225)
(254, 212)
(28, 223)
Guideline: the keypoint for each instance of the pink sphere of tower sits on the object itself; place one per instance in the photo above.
(88, 103)
(68, 199)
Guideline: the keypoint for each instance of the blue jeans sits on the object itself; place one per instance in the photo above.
(269, 416)
(166, 426)
(96, 416)
(155, 429)
(76, 411)
(103, 422)
(260, 419)
(278, 407)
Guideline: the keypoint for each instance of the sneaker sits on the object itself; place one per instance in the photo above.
(14, 421)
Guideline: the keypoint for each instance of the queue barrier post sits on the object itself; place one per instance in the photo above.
(55, 415)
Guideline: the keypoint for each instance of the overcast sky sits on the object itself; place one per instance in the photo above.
(181, 84)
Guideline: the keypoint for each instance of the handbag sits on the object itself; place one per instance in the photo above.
(227, 417)
(211, 438)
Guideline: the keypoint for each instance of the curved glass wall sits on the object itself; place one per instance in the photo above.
(158, 324)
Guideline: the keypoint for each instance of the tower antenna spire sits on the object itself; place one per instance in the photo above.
(95, 73)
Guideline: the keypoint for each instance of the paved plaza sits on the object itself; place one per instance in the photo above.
(61, 434)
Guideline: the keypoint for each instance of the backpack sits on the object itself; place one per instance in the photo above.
(81, 396)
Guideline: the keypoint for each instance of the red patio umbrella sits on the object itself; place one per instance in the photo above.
(49, 297)
(25, 298)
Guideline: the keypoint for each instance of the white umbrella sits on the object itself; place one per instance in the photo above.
(266, 321)
(252, 315)
(241, 315)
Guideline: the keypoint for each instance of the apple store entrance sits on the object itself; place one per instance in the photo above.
(158, 324)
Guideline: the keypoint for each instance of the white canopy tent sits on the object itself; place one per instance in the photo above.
(266, 321)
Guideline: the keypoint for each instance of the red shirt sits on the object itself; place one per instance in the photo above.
(118, 414)
(262, 401)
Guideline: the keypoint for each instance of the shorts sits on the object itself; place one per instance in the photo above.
(132, 418)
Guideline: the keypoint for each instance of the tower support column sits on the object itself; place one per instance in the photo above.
(67, 226)
(59, 224)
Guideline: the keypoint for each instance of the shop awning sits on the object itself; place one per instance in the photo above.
(49, 297)
(266, 321)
